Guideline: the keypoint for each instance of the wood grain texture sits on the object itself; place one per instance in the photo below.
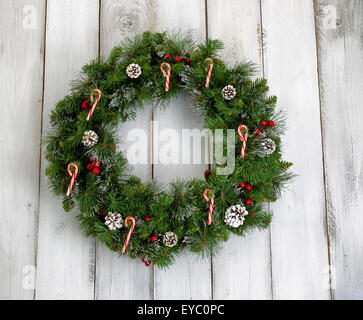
(188, 278)
(298, 57)
(242, 270)
(124, 278)
(340, 52)
(21, 26)
(65, 259)
(300, 264)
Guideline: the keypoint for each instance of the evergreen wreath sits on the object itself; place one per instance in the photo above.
(147, 220)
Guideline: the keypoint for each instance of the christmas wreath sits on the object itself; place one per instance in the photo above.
(147, 220)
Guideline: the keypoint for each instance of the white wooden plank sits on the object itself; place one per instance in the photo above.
(188, 278)
(339, 35)
(242, 270)
(123, 278)
(298, 233)
(21, 65)
(65, 257)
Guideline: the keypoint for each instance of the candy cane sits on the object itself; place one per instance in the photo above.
(211, 204)
(73, 175)
(243, 138)
(96, 102)
(130, 232)
(209, 71)
(166, 75)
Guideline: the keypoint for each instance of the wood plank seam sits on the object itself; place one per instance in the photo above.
(322, 144)
(41, 139)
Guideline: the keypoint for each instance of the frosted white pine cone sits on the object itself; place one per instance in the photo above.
(235, 215)
(268, 146)
(113, 221)
(229, 92)
(133, 70)
(90, 138)
(170, 239)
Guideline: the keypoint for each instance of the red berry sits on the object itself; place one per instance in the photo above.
(97, 164)
(167, 55)
(153, 238)
(91, 159)
(147, 263)
(96, 171)
(89, 167)
(258, 131)
(177, 59)
(85, 104)
(147, 219)
(242, 184)
(187, 61)
(143, 259)
(248, 187)
(263, 123)
(248, 202)
(271, 123)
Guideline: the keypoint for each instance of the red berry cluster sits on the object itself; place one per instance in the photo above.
(93, 166)
(270, 123)
(248, 187)
(147, 262)
(85, 105)
(264, 123)
(177, 59)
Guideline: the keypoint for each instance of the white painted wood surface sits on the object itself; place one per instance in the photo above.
(21, 84)
(298, 54)
(171, 283)
(248, 272)
(299, 252)
(123, 278)
(66, 260)
(341, 68)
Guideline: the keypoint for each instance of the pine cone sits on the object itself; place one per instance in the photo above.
(207, 173)
(268, 146)
(170, 239)
(113, 221)
(90, 138)
(235, 215)
(103, 213)
(228, 92)
(133, 70)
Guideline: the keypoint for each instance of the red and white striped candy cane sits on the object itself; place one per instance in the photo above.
(209, 71)
(243, 138)
(211, 204)
(166, 74)
(95, 103)
(73, 175)
(130, 232)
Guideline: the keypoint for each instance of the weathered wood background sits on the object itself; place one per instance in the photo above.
(311, 54)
